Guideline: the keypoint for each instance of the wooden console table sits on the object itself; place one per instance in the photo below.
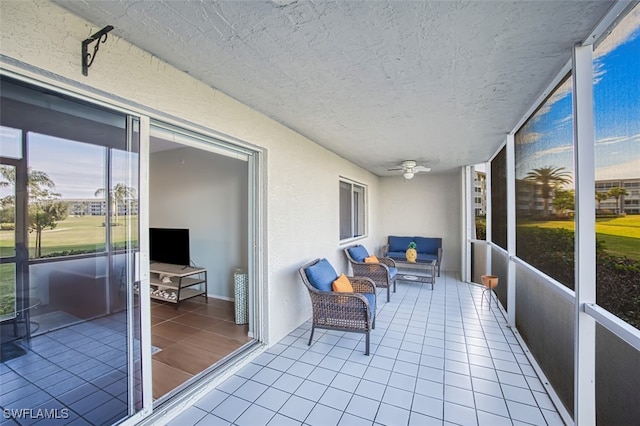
(172, 283)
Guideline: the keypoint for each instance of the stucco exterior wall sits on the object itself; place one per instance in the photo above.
(429, 205)
(40, 39)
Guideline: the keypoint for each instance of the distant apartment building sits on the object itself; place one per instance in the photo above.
(480, 193)
(629, 204)
(529, 200)
(98, 207)
(531, 203)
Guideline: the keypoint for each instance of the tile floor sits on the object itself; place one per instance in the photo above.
(437, 358)
(81, 368)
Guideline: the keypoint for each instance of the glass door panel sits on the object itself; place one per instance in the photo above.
(81, 328)
(7, 239)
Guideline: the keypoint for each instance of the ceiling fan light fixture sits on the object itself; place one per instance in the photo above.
(408, 175)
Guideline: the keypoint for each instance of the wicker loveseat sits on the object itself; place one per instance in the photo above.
(428, 248)
(354, 312)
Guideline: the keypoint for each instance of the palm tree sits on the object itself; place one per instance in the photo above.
(45, 207)
(600, 197)
(44, 213)
(38, 183)
(617, 192)
(119, 195)
(549, 178)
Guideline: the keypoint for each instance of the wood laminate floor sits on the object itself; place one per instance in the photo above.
(191, 338)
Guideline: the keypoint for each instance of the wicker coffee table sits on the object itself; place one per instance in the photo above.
(421, 272)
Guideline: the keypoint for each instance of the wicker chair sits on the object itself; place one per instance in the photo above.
(355, 312)
(383, 273)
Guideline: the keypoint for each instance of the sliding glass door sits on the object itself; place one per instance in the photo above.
(69, 233)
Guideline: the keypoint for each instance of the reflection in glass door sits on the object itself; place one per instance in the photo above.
(73, 338)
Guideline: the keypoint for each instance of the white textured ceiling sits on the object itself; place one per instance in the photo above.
(376, 82)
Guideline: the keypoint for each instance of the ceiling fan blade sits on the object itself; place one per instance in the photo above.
(421, 169)
(395, 169)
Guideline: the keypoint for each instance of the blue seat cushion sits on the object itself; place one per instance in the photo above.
(392, 271)
(321, 275)
(428, 245)
(399, 243)
(358, 253)
(400, 255)
(371, 298)
(426, 257)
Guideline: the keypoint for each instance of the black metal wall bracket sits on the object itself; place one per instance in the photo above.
(87, 58)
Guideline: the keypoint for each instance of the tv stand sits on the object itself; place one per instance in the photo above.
(172, 283)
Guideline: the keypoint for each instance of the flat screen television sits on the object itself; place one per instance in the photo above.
(169, 245)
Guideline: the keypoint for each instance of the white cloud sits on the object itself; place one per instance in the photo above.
(618, 139)
(621, 34)
(562, 91)
(626, 31)
(528, 137)
(628, 170)
(552, 151)
(565, 120)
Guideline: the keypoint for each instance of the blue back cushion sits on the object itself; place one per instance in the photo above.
(399, 243)
(371, 298)
(358, 253)
(428, 245)
(423, 257)
(321, 275)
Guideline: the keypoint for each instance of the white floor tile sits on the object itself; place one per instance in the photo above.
(525, 413)
(459, 414)
(297, 408)
(250, 390)
(363, 407)
(336, 398)
(428, 406)
(255, 415)
(489, 419)
(436, 358)
(321, 415)
(392, 415)
(190, 416)
(273, 399)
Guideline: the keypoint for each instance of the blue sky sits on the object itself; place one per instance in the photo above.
(547, 138)
(76, 168)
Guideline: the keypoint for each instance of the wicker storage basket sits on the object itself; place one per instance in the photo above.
(241, 294)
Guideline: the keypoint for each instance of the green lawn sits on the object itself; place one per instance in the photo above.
(73, 233)
(621, 235)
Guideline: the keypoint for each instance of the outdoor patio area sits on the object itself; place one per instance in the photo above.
(437, 357)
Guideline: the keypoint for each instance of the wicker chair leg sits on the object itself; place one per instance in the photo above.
(394, 286)
(438, 269)
(311, 336)
(367, 343)
(373, 324)
(388, 293)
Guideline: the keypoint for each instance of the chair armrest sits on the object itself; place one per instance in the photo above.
(362, 285)
(354, 306)
(363, 269)
(439, 254)
(385, 250)
(388, 261)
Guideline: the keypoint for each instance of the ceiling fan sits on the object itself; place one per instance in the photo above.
(409, 168)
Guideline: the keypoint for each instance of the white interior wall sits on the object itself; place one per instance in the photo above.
(42, 40)
(429, 205)
(207, 194)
